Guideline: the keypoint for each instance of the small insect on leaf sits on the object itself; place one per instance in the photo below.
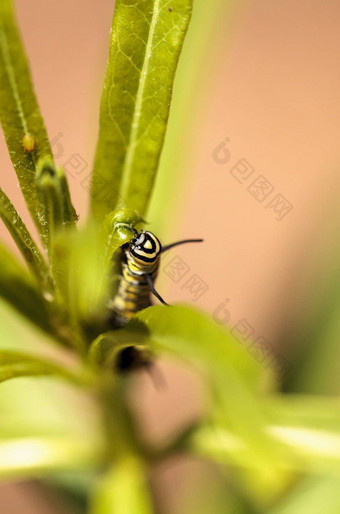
(29, 142)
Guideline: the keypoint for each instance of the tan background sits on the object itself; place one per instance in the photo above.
(268, 79)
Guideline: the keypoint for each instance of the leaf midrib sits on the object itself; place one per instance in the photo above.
(127, 166)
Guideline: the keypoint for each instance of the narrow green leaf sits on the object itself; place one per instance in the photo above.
(70, 216)
(19, 289)
(146, 40)
(54, 202)
(35, 456)
(23, 240)
(123, 490)
(21, 120)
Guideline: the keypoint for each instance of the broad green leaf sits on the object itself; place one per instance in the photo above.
(44, 408)
(103, 348)
(124, 490)
(317, 412)
(206, 490)
(19, 112)
(82, 283)
(146, 40)
(26, 350)
(314, 494)
(106, 350)
(23, 240)
(35, 456)
(19, 289)
(314, 337)
(192, 335)
(15, 364)
(188, 334)
(59, 409)
(310, 427)
(305, 430)
(234, 452)
(233, 378)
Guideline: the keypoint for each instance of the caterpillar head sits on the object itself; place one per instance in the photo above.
(144, 249)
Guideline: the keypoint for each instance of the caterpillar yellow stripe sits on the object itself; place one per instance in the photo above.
(139, 267)
(139, 263)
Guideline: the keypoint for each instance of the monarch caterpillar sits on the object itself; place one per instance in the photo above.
(140, 262)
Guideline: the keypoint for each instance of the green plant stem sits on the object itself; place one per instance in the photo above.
(24, 241)
(18, 288)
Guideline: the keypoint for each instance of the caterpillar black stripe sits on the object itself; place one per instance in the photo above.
(140, 262)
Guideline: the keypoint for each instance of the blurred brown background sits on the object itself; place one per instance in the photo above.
(263, 74)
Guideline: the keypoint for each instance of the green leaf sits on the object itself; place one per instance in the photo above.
(23, 240)
(314, 495)
(190, 334)
(146, 40)
(82, 283)
(26, 351)
(35, 456)
(19, 112)
(84, 269)
(310, 427)
(234, 379)
(106, 348)
(15, 364)
(19, 289)
(177, 169)
(314, 336)
(55, 202)
(118, 230)
(304, 429)
(123, 490)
